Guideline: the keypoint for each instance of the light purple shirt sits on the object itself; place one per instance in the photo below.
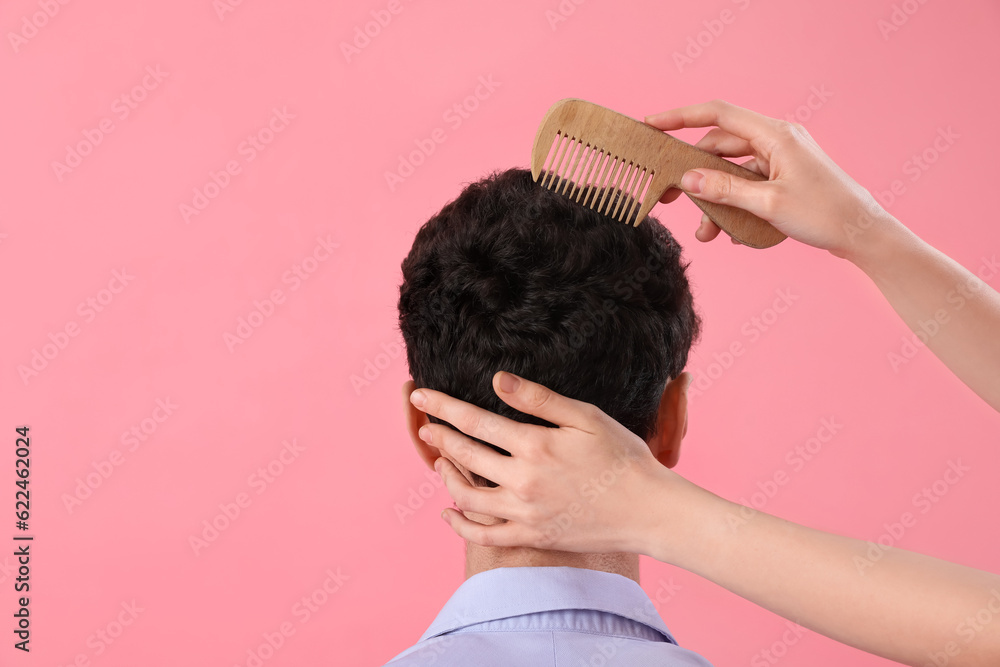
(547, 616)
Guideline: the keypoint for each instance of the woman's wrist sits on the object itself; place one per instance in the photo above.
(687, 526)
(872, 238)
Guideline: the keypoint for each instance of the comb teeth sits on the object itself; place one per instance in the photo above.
(615, 185)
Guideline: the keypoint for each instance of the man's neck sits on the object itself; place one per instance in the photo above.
(480, 559)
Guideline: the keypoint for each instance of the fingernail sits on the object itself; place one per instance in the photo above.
(437, 465)
(418, 398)
(509, 383)
(424, 433)
(444, 517)
(692, 181)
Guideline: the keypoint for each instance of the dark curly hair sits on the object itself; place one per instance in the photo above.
(512, 276)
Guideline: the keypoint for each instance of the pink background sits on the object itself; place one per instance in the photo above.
(331, 507)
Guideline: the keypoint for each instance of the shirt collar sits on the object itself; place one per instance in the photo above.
(513, 591)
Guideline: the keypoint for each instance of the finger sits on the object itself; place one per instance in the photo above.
(720, 142)
(534, 399)
(754, 165)
(731, 118)
(472, 455)
(670, 195)
(473, 420)
(498, 535)
(708, 230)
(469, 498)
(723, 188)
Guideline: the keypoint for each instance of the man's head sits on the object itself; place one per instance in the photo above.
(512, 276)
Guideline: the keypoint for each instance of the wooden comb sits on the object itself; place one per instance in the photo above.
(595, 151)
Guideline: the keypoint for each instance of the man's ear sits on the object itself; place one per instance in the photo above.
(414, 420)
(671, 421)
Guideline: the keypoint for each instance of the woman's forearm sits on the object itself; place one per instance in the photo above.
(951, 310)
(894, 603)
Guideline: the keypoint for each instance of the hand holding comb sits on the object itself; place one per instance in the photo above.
(583, 147)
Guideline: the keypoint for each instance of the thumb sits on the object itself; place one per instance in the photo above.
(540, 401)
(722, 188)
